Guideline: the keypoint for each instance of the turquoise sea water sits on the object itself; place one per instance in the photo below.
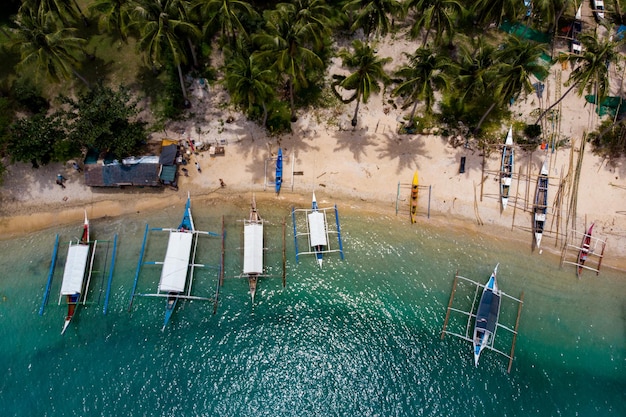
(359, 338)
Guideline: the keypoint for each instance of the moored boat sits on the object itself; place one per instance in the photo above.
(318, 231)
(75, 271)
(174, 274)
(253, 248)
(585, 248)
(486, 316)
(506, 168)
(414, 193)
(541, 203)
(279, 170)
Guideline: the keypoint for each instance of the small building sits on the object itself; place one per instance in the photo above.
(144, 171)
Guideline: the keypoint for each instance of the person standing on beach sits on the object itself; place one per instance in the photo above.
(76, 167)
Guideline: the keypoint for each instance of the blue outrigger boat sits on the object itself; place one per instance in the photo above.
(279, 170)
(179, 264)
(486, 316)
(171, 280)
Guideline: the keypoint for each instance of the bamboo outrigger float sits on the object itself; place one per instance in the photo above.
(177, 275)
(317, 231)
(485, 317)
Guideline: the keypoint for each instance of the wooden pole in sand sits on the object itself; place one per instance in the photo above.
(284, 255)
(516, 197)
(519, 313)
(445, 322)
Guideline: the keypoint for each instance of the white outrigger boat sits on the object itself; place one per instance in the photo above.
(317, 231)
(506, 169)
(176, 279)
(253, 248)
(74, 287)
(486, 316)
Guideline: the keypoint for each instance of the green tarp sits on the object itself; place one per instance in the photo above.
(610, 105)
(525, 32)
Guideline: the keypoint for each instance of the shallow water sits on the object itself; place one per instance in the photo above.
(361, 337)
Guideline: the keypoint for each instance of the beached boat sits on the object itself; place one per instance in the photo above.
(73, 285)
(585, 248)
(176, 263)
(279, 170)
(414, 192)
(317, 225)
(541, 203)
(486, 316)
(506, 169)
(253, 248)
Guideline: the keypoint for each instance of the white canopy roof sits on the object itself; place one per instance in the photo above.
(253, 248)
(176, 263)
(74, 272)
(317, 228)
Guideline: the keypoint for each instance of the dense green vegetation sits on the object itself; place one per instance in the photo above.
(464, 71)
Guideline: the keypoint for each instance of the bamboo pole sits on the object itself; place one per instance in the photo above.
(519, 313)
(445, 322)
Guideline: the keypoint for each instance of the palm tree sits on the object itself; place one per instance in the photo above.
(368, 72)
(425, 73)
(516, 63)
(592, 68)
(289, 44)
(440, 15)
(114, 15)
(373, 16)
(45, 47)
(476, 67)
(249, 84)
(496, 11)
(227, 16)
(164, 28)
(65, 10)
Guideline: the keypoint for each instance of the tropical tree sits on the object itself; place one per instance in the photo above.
(164, 29)
(517, 62)
(227, 16)
(46, 47)
(438, 15)
(368, 73)
(289, 44)
(104, 119)
(476, 69)
(65, 10)
(488, 12)
(591, 73)
(425, 73)
(249, 84)
(114, 15)
(35, 139)
(373, 16)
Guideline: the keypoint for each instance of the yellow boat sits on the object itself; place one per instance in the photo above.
(414, 198)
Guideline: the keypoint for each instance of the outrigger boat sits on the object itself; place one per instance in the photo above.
(486, 316)
(178, 266)
(414, 193)
(253, 248)
(317, 231)
(318, 235)
(541, 203)
(506, 169)
(585, 248)
(279, 170)
(73, 285)
(175, 265)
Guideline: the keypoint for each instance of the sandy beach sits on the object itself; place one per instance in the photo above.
(362, 168)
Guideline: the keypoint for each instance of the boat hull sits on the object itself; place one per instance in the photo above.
(506, 169)
(486, 317)
(414, 195)
(585, 249)
(541, 204)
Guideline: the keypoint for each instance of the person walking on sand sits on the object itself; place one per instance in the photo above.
(60, 179)
(198, 167)
(76, 167)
